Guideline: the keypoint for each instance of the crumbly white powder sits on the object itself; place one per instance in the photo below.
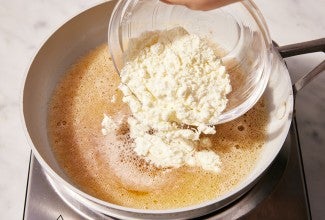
(172, 78)
(113, 99)
(107, 124)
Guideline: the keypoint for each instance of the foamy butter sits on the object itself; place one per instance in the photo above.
(173, 79)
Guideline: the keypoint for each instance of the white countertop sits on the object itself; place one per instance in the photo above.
(24, 26)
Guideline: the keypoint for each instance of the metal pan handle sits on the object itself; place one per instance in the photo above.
(304, 48)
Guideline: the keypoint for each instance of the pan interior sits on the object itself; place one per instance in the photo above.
(88, 30)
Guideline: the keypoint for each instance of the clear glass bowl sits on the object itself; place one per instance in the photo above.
(239, 29)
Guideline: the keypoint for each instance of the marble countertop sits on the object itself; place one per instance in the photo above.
(25, 25)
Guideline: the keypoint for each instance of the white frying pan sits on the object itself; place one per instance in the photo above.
(89, 29)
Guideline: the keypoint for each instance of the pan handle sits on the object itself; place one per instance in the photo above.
(304, 48)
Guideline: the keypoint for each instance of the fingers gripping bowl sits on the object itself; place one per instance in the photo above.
(41, 81)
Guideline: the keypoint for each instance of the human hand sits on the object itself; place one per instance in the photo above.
(203, 5)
